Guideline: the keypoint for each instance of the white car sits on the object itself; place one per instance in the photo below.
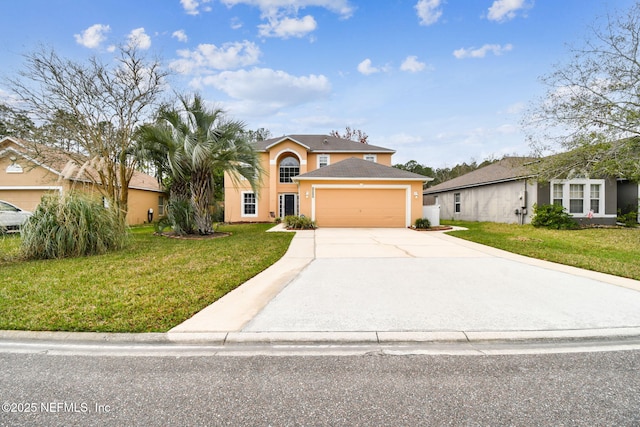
(12, 217)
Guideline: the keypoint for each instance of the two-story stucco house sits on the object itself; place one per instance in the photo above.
(335, 182)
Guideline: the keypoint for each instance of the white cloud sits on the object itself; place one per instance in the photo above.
(403, 139)
(193, 7)
(282, 15)
(504, 10)
(180, 35)
(366, 68)
(139, 39)
(92, 36)
(265, 91)
(428, 11)
(288, 27)
(207, 57)
(277, 7)
(496, 49)
(236, 23)
(516, 108)
(412, 64)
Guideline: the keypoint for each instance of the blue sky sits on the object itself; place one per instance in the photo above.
(441, 82)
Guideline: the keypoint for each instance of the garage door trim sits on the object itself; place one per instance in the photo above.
(405, 187)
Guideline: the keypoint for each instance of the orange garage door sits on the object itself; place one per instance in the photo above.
(24, 199)
(360, 207)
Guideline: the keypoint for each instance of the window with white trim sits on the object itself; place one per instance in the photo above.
(456, 203)
(249, 204)
(289, 167)
(576, 198)
(558, 190)
(161, 201)
(371, 157)
(594, 195)
(579, 196)
(323, 160)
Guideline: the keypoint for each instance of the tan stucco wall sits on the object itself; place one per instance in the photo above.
(312, 163)
(140, 201)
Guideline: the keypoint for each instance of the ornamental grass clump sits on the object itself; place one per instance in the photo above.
(70, 226)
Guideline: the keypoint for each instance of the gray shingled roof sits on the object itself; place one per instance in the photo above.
(360, 168)
(507, 169)
(316, 143)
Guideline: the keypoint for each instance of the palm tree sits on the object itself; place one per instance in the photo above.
(199, 142)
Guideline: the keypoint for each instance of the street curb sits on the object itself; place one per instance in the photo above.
(324, 338)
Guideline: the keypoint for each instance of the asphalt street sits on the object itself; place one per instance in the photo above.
(585, 389)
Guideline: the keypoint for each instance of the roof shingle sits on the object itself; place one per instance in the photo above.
(507, 169)
(360, 168)
(324, 144)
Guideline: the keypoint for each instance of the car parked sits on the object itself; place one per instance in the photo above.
(12, 217)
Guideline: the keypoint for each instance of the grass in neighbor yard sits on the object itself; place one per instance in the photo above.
(608, 250)
(151, 286)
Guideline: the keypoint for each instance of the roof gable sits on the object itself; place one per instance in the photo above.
(322, 144)
(354, 168)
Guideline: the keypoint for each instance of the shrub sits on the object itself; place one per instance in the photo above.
(181, 217)
(552, 216)
(422, 223)
(72, 226)
(629, 219)
(299, 222)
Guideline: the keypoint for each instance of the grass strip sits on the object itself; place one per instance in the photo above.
(151, 286)
(607, 250)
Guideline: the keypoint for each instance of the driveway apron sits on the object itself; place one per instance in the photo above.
(405, 280)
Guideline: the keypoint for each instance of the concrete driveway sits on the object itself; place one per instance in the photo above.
(401, 280)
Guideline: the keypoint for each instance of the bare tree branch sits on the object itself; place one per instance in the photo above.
(97, 106)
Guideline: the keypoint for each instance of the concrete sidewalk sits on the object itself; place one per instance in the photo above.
(400, 285)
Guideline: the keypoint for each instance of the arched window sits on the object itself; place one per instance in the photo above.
(289, 167)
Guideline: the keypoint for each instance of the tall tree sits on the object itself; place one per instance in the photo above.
(14, 122)
(201, 143)
(351, 134)
(95, 105)
(591, 110)
(259, 134)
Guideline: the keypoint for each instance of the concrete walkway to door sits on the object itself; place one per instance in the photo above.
(400, 281)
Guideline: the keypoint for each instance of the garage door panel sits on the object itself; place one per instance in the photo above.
(24, 199)
(360, 207)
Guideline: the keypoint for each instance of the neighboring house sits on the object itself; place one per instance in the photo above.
(25, 178)
(335, 182)
(506, 191)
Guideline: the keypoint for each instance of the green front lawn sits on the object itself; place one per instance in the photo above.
(153, 285)
(608, 250)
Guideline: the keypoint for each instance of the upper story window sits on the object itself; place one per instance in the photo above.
(289, 167)
(370, 157)
(323, 160)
